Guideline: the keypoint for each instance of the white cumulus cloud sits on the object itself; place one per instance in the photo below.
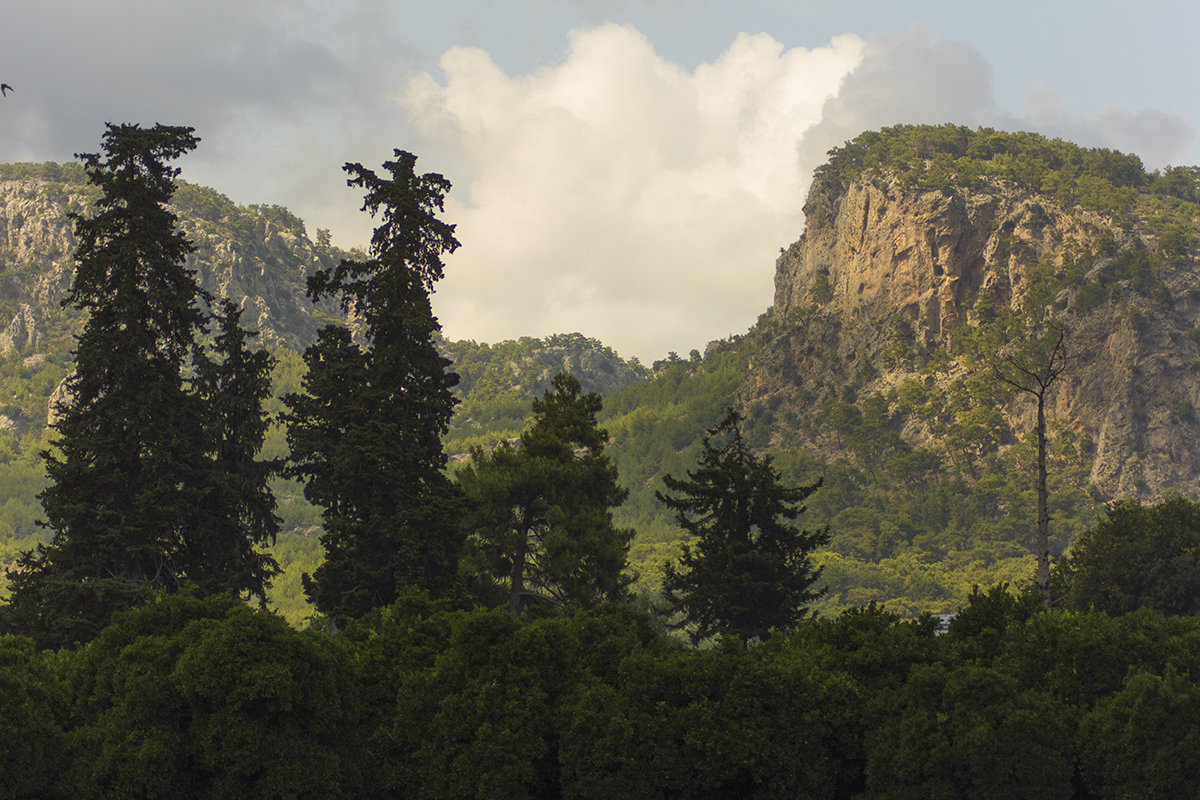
(618, 194)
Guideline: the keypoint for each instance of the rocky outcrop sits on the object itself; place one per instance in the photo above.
(876, 250)
(259, 258)
(22, 332)
(879, 260)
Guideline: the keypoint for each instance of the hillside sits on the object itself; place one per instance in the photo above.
(915, 254)
(259, 256)
(927, 251)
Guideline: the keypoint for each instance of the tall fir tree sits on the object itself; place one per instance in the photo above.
(236, 514)
(366, 432)
(137, 479)
(129, 429)
(751, 569)
(540, 515)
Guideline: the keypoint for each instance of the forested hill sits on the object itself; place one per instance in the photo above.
(936, 259)
(921, 240)
(259, 256)
(927, 248)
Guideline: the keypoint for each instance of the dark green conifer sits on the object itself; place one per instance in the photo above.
(153, 477)
(751, 570)
(540, 514)
(366, 433)
(236, 513)
(129, 434)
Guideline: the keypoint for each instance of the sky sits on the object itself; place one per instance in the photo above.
(627, 169)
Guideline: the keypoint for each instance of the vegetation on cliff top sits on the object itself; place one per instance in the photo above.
(942, 156)
(907, 526)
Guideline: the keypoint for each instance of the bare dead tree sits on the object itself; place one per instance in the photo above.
(1033, 368)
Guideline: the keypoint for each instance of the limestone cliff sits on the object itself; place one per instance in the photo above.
(259, 257)
(882, 259)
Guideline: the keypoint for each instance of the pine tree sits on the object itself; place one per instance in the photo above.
(366, 432)
(129, 436)
(154, 480)
(751, 570)
(540, 515)
(236, 513)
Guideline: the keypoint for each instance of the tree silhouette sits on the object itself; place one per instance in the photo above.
(365, 432)
(751, 570)
(1033, 367)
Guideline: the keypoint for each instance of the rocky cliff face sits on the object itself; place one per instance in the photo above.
(259, 258)
(880, 261)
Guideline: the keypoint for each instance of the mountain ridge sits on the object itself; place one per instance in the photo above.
(886, 256)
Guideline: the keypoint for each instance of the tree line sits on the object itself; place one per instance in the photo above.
(209, 697)
(157, 483)
(487, 643)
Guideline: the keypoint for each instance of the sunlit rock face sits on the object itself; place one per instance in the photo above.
(880, 261)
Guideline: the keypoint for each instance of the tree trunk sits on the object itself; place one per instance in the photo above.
(516, 576)
(1043, 514)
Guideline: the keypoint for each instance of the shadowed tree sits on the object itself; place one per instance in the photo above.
(153, 476)
(365, 432)
(539, 515)
(236, 513)
(750, 570)
(1136, 556)
(130, 437)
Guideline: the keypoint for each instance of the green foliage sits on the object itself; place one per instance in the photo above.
(30, 723)
(50, 171)
(970, 731)
(937, 157)
(1142, 741)
(122, 479)
(153, 478)
(236, 513)
(207, 698)
(474, 703)
(539, 520)
(365, 432)
(751, 570)
(498, 381)
(1137, 556)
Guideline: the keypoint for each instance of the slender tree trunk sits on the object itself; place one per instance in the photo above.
(516, 577)
(1043, 514)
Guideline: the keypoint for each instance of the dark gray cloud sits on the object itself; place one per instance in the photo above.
(279, 92)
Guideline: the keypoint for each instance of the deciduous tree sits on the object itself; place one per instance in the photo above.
(1137, 556)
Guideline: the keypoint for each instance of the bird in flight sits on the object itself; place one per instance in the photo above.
(5, 89)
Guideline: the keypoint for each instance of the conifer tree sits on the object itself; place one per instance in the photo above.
(128, 436)
(540, 515)
(366, 432)
(153, 478)
(236, 513)
(751, 569)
